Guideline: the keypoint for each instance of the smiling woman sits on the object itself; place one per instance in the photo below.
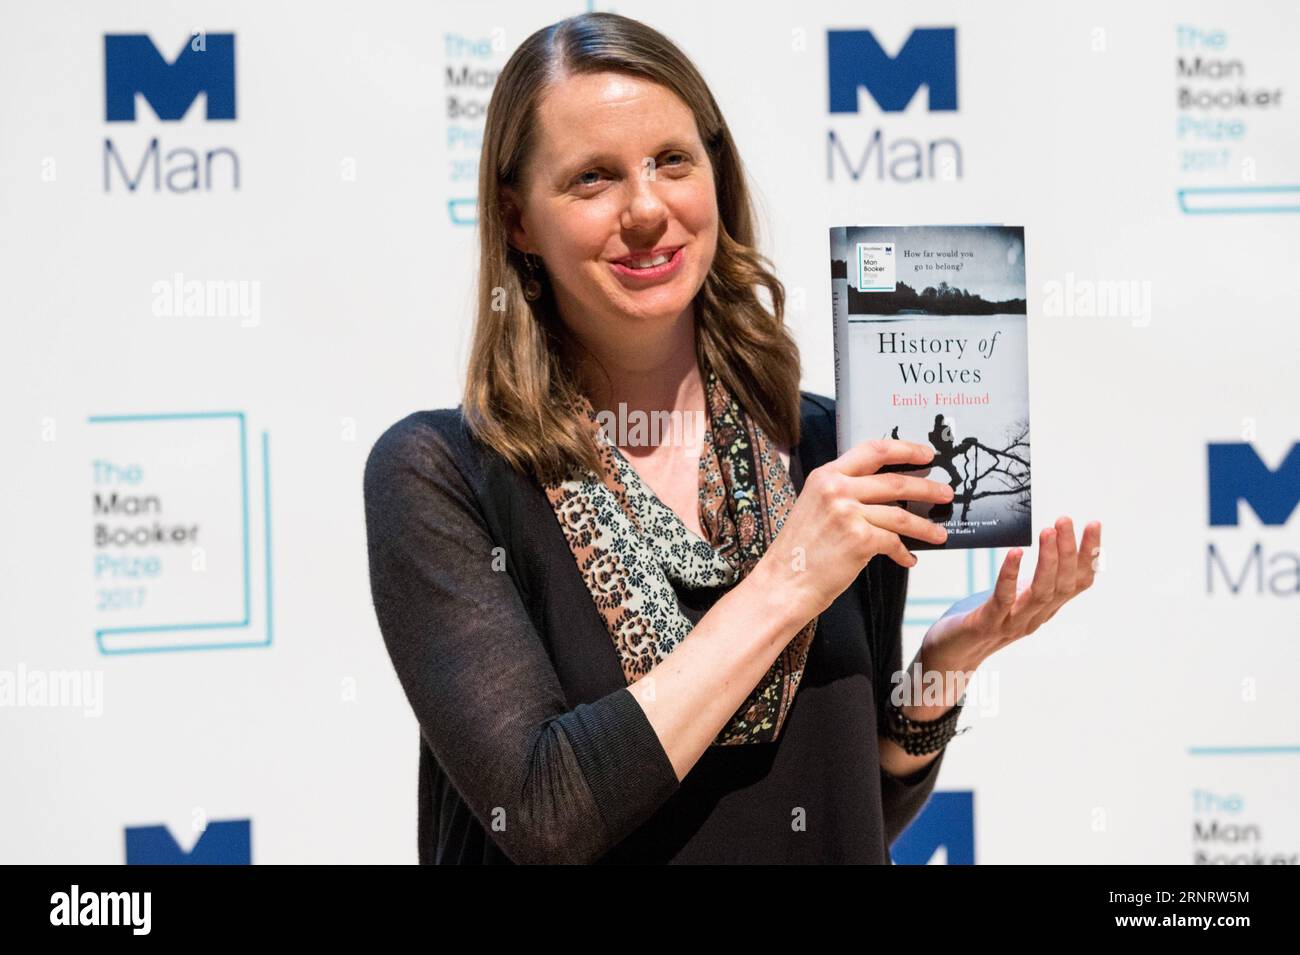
(622, 649)
(648, 184)
(605, 150)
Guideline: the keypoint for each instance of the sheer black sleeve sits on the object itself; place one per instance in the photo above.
(548, 783)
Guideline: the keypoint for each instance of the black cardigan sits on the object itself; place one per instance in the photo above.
(532, 749)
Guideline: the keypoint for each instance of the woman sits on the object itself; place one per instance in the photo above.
(629, 650)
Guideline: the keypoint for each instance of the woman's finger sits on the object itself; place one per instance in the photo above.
(904, 523)
(868, 457)
(1004, 591)
(1066, 556)
(1044, 584)
(885, 488)
(1090, 550)
(886, 542)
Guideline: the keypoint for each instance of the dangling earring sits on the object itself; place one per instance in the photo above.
(532, 288)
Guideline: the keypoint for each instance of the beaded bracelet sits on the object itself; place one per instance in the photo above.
(918, 737)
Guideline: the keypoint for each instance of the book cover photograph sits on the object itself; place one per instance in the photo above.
(931, 346)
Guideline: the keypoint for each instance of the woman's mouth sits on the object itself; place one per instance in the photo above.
(644, 268)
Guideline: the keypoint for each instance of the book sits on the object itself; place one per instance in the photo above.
(932, 346)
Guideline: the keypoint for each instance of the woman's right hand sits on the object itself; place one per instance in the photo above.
(844, 516)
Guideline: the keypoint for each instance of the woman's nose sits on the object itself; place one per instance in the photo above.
(644, 206)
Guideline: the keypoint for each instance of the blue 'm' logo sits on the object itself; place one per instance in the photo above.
(132, 64)
(929, 58)
(1237, 474)
(947, 821)
(229, 842)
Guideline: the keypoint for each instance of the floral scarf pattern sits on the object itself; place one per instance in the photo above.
(631, 548)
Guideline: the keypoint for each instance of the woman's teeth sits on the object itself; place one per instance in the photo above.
(648, 263)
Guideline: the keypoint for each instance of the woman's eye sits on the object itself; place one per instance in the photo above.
(674, 160)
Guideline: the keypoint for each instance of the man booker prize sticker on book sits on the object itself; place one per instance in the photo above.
(932, 346)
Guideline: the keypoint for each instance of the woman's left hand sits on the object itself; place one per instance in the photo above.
(962, 640)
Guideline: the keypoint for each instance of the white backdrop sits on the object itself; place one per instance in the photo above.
(229, 678)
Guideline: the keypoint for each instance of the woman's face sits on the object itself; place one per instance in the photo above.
(618, 171)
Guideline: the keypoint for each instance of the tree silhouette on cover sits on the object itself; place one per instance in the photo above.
(999, 472)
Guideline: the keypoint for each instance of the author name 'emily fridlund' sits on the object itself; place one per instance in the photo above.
(939, 399)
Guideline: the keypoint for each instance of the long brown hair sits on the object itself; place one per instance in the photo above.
(521, 376)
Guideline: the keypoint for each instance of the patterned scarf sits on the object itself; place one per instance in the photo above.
(631, 547)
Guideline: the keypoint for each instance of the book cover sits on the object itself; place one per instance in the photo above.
(932, 346)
